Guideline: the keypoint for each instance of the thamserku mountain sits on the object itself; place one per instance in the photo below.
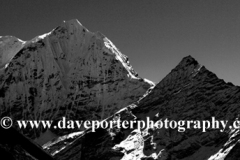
(67, 72)
(78, 74)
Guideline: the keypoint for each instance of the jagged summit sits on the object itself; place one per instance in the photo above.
(73, 21)
(188, 60)
(10, 45)
(69, 72)
(77, 23)
(185, 70)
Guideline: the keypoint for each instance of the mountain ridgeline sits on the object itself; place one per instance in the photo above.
(74, 73)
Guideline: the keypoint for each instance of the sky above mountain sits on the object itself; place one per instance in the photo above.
(154, 34)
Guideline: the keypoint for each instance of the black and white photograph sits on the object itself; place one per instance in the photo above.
(119, 79)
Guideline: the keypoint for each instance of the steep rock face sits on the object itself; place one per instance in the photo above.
(69, 72)
(188, 92)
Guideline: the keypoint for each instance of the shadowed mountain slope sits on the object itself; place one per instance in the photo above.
(188, 92)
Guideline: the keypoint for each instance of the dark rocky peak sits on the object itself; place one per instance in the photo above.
(186, 61)
(188, 92)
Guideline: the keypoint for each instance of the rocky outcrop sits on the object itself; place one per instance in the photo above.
(188, 92)
(68, 72)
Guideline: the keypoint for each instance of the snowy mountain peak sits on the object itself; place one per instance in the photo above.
(69, 72)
